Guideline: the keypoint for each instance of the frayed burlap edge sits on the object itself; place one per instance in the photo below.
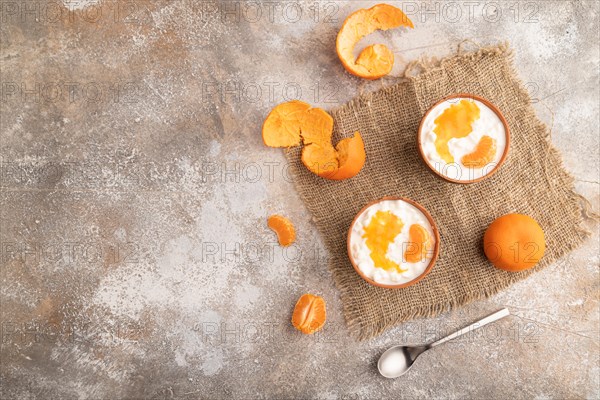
(355, 323)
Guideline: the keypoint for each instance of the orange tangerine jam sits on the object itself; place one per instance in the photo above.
(379, 234)
(454, 122)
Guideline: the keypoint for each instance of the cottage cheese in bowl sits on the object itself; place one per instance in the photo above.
(393, 242)
(464, 139)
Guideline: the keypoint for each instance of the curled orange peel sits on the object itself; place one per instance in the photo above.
(342, 162)
(294, 123)
(377, 60)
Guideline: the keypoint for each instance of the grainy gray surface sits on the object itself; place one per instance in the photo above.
(136, 262)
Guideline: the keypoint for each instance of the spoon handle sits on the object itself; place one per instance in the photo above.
(484, 321)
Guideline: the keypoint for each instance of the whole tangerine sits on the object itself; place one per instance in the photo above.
(514, 242)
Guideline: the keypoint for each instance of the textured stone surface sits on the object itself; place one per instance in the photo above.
(136, 262)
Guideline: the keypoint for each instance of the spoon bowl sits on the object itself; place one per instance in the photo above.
(397, 360)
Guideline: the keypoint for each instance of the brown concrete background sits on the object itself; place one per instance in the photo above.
(136, 261)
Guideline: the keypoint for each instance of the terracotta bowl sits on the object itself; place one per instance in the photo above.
(436, 248)
(494, 109)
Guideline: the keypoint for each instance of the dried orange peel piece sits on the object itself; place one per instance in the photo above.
(484, 153)
(376, 60)
(283, 227)
(282, 126)
(316, 127)
(419, 244)
(342, 162)
(295, 122)
(309, 314)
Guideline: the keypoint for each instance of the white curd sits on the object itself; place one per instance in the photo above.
(361, 254)
(488, 124)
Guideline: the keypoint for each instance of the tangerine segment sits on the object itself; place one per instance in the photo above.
(514, 242)
(377, 60)
(309, 314)
(379, 234)
(283, 227)
(282, 126)
(418, 245)
(342, 162)
(484, 153)
(455, 122)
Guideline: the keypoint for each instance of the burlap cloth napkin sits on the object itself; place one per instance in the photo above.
(532, 181)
